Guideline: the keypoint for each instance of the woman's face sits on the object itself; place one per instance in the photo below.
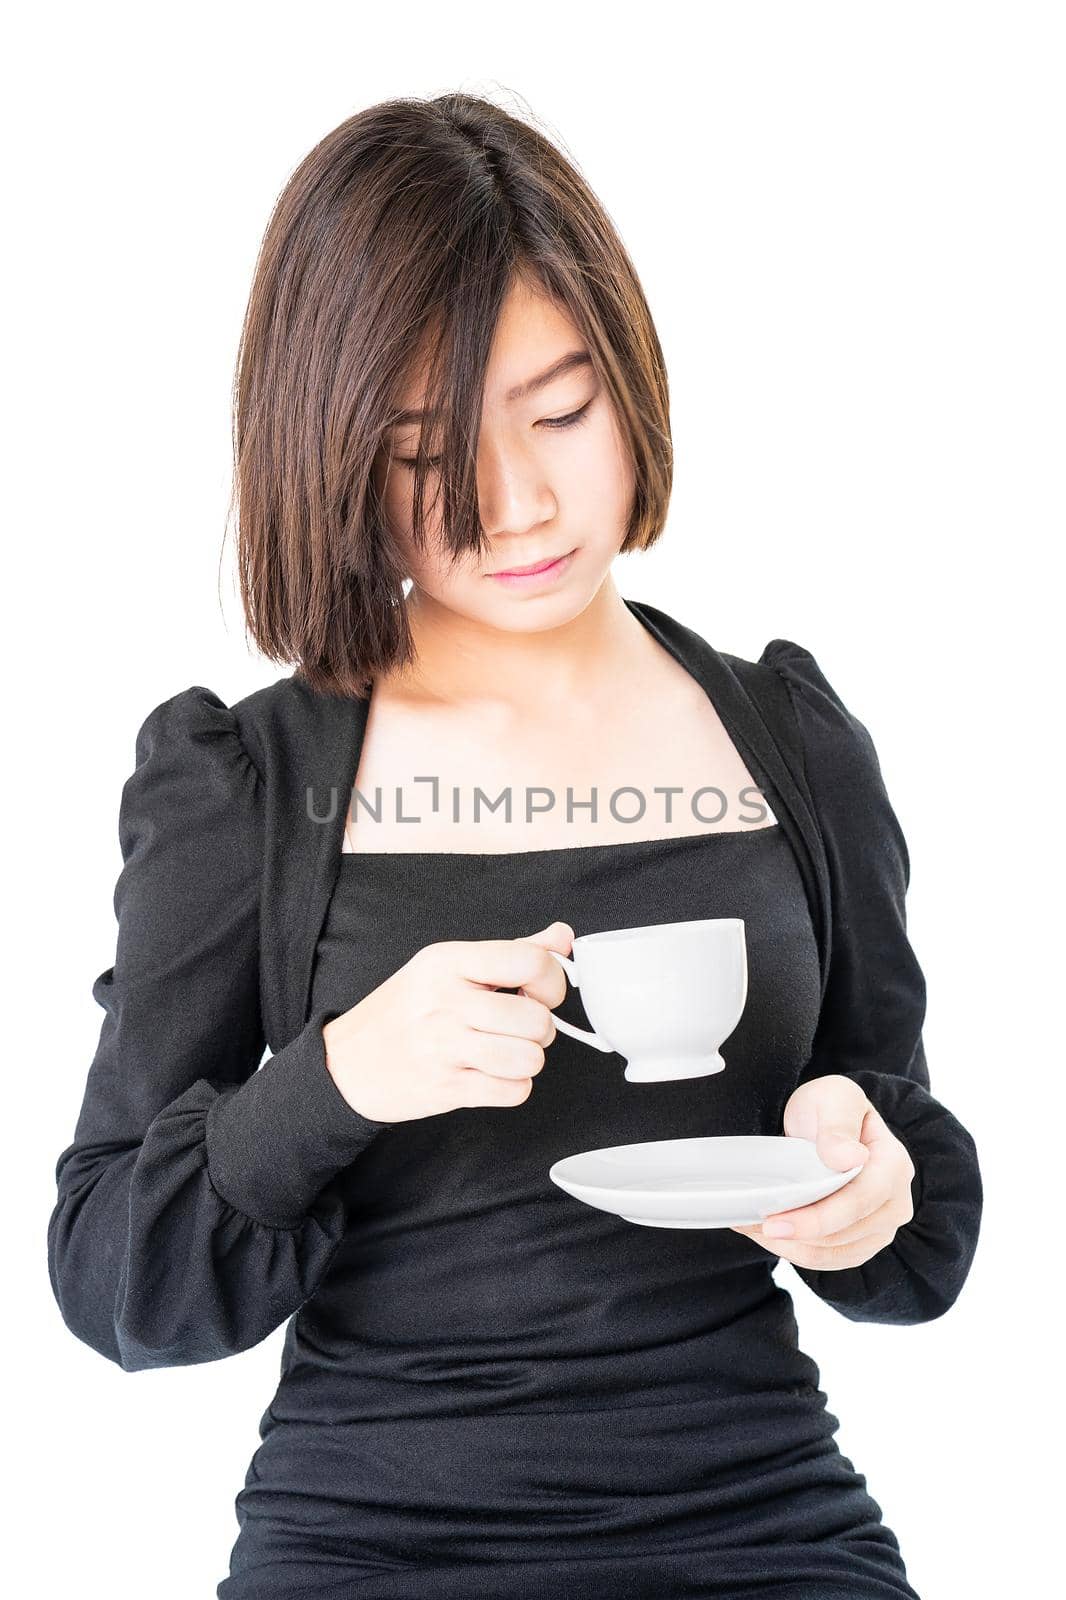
(554, 479)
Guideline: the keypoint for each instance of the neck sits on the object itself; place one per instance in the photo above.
(462, 660)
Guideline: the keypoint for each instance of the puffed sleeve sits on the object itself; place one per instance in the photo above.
(194, 1210)
(870, 1025)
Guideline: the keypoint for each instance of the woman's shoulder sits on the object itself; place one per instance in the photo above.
(243, 768)
(194, 776)
(198, 725)
(829, 725)
(195, 754)
(801, 670)
(193, 726)
(840, 759)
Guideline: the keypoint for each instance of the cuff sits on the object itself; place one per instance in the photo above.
(275, 1142)
(919, 1275)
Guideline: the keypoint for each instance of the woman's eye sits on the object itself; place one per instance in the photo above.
(571, 420)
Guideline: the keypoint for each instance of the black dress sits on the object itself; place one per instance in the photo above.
(496, 1390)
(487, 1385)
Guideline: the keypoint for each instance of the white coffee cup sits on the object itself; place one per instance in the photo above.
(664, 996)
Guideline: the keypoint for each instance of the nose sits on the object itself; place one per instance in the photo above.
(514, 499)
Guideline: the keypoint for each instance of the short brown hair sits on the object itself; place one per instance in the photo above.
(404, 228)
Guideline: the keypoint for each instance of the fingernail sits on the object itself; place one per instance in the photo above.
(778, 1230)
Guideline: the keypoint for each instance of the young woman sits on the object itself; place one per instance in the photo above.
(448, 374)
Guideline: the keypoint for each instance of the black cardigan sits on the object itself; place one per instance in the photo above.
(195, 1207)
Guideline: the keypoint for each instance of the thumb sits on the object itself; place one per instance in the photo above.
(556, 936)
(839, 1148)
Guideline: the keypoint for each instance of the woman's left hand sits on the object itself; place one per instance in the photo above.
(860, 1218)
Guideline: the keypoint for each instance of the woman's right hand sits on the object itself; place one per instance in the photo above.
(436, 1036)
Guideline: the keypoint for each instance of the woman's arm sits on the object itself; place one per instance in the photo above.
(194, 1210)
(870, 1027)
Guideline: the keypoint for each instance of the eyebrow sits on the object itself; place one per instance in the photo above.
(521, 391)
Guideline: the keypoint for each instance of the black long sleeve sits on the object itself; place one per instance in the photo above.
(870, 1025)
(194, 1211)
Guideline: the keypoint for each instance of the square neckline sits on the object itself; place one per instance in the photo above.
(565, 849)
(557, 850)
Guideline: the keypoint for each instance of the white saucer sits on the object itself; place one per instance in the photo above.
(715, 1182)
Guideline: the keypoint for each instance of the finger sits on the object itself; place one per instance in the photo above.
(497, 1055)
(879, 1221)
(829, 1112)
(853, 1201)
(517, 1015)
(839, 1143)
(473, 1088)
(879, 1139)
(549, 984)
(512, 963)
(820, 1257)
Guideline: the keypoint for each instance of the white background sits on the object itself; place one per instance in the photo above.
(848, 221)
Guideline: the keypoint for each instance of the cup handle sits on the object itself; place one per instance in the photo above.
(583, 1034)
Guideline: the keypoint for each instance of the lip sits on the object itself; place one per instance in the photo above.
(540, 572)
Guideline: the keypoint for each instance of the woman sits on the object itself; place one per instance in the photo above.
(448, 372)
